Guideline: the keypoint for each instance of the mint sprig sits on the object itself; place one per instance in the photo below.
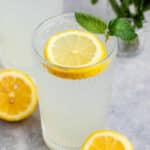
(121, 27)
(91, 23)
(118, 27)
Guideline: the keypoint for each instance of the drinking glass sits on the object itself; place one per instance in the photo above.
(16, 29)
(71, 108)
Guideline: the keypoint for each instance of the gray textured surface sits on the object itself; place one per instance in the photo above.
(129, 113)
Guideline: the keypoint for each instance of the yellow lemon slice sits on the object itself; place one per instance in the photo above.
(18, 95)
(106, 140)
(74, 49)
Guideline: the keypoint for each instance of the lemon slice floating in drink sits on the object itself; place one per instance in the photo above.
(75, 53)
(18, 95)
(106, 140)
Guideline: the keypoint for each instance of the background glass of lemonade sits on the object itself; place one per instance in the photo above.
(70, 109)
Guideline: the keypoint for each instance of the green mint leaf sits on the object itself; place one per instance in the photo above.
(91, 23)
(121, 27)
(94, 1)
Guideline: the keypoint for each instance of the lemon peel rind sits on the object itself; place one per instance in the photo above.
(80, 73)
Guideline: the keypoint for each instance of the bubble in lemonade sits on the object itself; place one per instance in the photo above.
(74, 74)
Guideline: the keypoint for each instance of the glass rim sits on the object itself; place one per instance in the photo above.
(61, 66)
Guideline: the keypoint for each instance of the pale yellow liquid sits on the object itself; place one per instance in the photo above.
(72, 109)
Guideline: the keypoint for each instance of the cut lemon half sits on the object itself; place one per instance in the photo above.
(106, 140)
(76, 51)
(18, 95)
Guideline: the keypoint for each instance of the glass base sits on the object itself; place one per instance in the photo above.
(54, 146)
(129, 49)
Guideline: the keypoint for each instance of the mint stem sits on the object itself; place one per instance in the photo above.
(107, 37)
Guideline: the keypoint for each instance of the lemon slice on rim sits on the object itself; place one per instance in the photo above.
(106, 140)
(74, 48)
(77, 51)
(18, 95)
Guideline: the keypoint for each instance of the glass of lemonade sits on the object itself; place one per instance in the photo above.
(74, 99)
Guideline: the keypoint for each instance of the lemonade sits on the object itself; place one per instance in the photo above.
(74, 81)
